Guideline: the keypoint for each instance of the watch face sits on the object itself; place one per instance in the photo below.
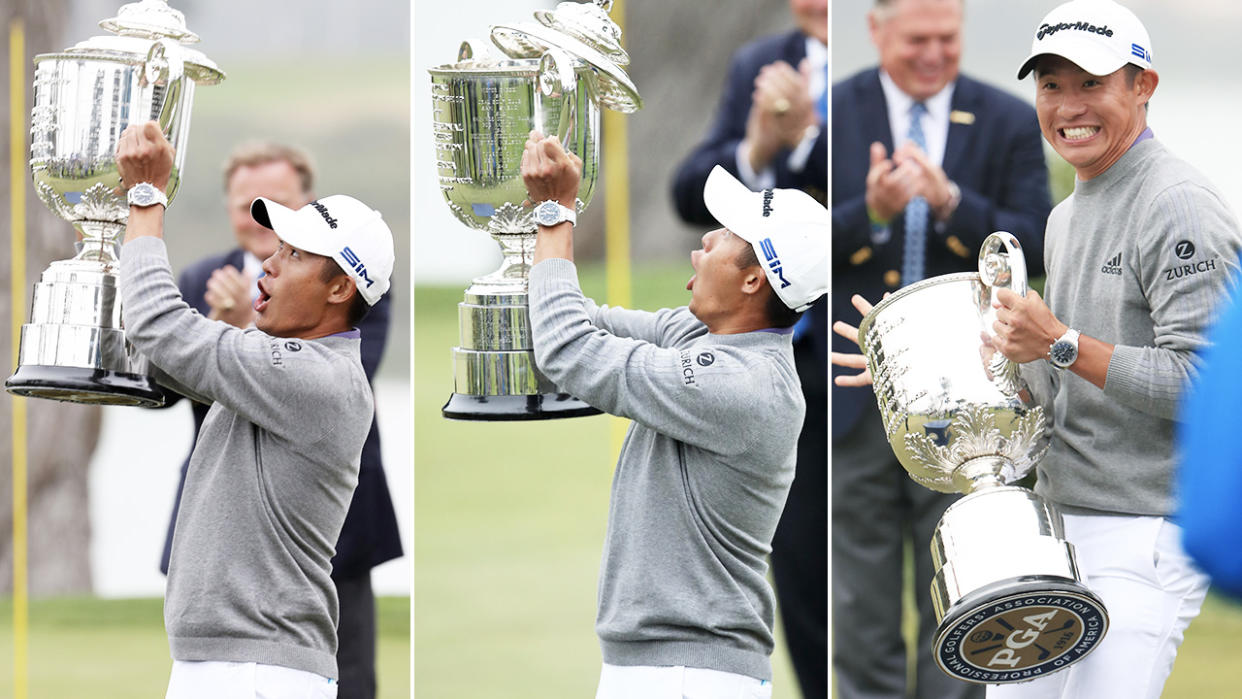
(143, 195)
(548, 214)
(1062, 353)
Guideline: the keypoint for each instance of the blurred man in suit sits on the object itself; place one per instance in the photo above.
(223, 287)
(926, 163)
(770, 130)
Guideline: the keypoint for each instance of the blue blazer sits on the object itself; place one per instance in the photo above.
(370, 535)
(995, 155)
(728, 129)
(719, 147)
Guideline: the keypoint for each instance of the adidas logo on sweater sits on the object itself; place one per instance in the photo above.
(1113, 266)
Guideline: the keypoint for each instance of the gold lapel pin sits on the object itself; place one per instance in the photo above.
(957, 116)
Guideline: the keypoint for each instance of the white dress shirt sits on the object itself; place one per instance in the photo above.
(935, 122)
(252, 268)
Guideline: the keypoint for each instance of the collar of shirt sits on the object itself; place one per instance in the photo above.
(935, 124)
(1143, 137)
(351, 334)
(252, 267)
(817, 59)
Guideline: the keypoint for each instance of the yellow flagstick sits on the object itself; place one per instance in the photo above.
(17, 262)
(617, 216)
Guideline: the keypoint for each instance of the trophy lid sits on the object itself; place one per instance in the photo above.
(137, 26)
(590, 24)
(585, 31)
(150, 19)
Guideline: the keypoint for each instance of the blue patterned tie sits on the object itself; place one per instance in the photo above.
(912, 260)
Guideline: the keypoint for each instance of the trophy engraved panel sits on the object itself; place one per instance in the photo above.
(1009, 599)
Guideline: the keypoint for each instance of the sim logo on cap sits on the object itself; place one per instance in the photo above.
(352, 258)
(774, 262)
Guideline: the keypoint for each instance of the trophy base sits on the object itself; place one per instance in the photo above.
(538, 406)
(82, 385)
(1010, 601)
(1019, 630)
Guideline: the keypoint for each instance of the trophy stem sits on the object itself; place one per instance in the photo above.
(99, 242)
(985, 473)
(517, 255)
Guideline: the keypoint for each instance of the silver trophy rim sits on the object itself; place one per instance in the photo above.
(500, 67)
(869, 320)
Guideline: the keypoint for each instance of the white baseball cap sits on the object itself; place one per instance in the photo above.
(787, 228)
(1099, 36)
(339, 227)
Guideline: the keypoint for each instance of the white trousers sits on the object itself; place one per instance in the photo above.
(1151, 589)
(677, 682)
(222, 680)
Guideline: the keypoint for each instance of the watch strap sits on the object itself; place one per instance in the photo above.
(146, 194)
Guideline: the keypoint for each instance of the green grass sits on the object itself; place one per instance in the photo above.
(116, 649)
(508, 526)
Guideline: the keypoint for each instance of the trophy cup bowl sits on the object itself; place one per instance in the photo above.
(74, 348)
(486, 104)
(1010, 602)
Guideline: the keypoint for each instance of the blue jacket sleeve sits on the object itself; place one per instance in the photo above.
(1210, 478)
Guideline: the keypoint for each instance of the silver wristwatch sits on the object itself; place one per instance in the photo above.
(1064, 351)
(550, 213)
(145, 194)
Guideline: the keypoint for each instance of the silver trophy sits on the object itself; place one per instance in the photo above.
(74, 348)
(552, 75)
(1009, 599)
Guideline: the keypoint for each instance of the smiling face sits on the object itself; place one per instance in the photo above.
(920, 43)
(1090, 120)
(294, 298)
(277, 180)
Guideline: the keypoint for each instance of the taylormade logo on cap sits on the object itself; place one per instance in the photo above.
(1099, 36)
(323, 211)
(1050, 29)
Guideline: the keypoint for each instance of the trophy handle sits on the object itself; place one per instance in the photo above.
(1001, 263)
(474, 50)
(557, 79)
(164, 66)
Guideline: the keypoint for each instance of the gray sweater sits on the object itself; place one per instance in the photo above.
(1139, 257)
(702, 476)
(269, 481)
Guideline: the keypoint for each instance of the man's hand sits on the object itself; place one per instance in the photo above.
(852, 361)
(549, 172)
(780, 112)
(144, 155)
(1025, 327)
(228, 295)
(890, 186)
(930, 181)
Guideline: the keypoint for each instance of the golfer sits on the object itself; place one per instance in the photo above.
(250, 608)
(1138, 260)
(684, 608)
